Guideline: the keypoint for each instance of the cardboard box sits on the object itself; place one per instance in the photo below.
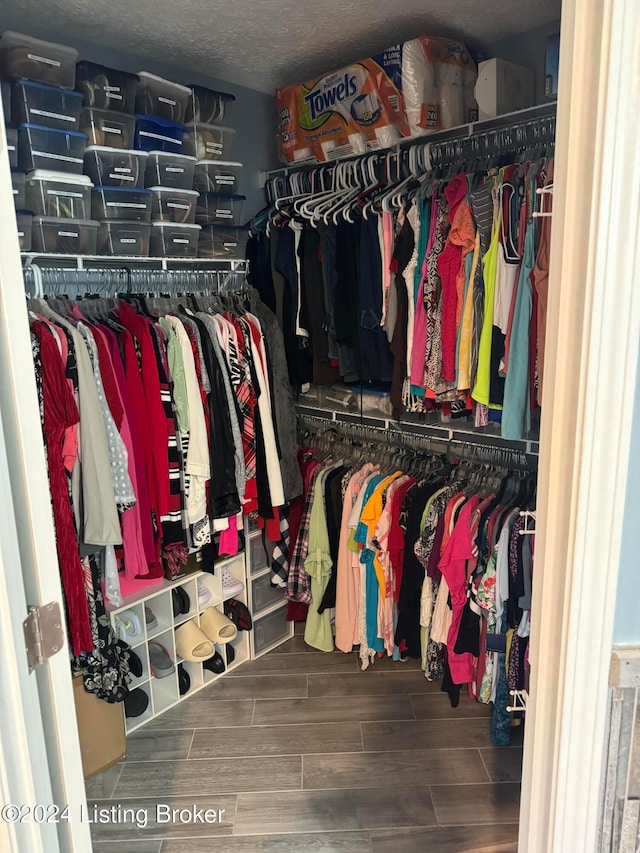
(502, 88)
(103, 740)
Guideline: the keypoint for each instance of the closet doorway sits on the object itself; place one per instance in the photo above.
(592, 342)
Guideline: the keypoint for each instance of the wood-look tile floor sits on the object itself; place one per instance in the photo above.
(301, 751)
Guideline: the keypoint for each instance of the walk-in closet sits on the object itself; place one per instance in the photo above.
(302, 313)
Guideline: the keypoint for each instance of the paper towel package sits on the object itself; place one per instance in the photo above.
(413, 88)
(503, 87)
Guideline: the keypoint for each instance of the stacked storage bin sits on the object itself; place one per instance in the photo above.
(46, 145)
(216, 177)
(160, 113)
(118, 200)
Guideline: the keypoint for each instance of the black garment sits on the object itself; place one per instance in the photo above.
(376, 362)
(223, 492)
(333, 512)
(403, 251)
(345, 353)
(346, 301)
(259, 275)
(324, 373)
(296, 347)
(408, 627)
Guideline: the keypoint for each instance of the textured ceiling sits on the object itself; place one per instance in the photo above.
(265, 43)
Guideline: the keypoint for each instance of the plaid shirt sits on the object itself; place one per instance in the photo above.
(298, 582)
(280, 557)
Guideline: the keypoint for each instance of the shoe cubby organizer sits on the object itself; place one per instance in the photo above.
(160, 615)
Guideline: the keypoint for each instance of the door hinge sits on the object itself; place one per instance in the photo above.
(43, 633)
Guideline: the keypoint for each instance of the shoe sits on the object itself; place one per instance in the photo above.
(217, 627)
(239, 614)
(192, 643)
(184, 680)
(215, 664)
(150, 618)
(204, 594)
(230, 586)
(135, 664)
(136, 702)
(160, 661)
(231, 654)
(180, 600)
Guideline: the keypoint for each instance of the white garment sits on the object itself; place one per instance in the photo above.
(197, 465)
(409, 277)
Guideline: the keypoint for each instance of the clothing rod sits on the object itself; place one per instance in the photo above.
(79, 262)
(539, 114)
(488, 443)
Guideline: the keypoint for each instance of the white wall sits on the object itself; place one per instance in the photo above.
(527, 49)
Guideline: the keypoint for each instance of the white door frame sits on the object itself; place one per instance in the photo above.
(37, 570)
(590, 369)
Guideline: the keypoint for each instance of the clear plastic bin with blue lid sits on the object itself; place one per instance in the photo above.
(162, 98)
(42, 147)
(219, 209)
(157, 134)
(106, 88)
(208, 105)
(173, 205)
(55, 194)
(40, 103)
(115, 167)
(35, 59)
(121, 203)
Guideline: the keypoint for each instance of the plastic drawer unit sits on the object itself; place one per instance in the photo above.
(106, 88)
(156, 134)
(171, 205)
(107, 128)
(24, 220)
(161, 98)
(34, 59)
(263, 595)
(173, 240)
(64, 236)
(17, 186)
(208, 141)
(223, 241)
(124, 238)
(39, 103)
(270, 629)
(45, 148)
(133, 205)
(208, 105)
(219, 209)
(170, 170)
(115, 167)
(216, 176)
(12, 145)
(55, 194)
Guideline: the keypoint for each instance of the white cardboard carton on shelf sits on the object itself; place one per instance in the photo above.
(503, 87)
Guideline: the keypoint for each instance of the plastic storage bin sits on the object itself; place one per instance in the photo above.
(263, 595)
(34, 59)
(124, 238)
(64, 236)
(219, 209)
(208, 141)
(17, 184)
(171, 205)
(107, 128)
(162, 98)
(25, 229)
(208, 105)
(46, 148)
(39, 103)
(268, 630)
(5, 88)
(133, 205)
(106, 88)
(53, 194)
(156, 134)
(12, 145)
(169, 170)
(223, 241)
(216, 176)
(174, 240)
(115, 167)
